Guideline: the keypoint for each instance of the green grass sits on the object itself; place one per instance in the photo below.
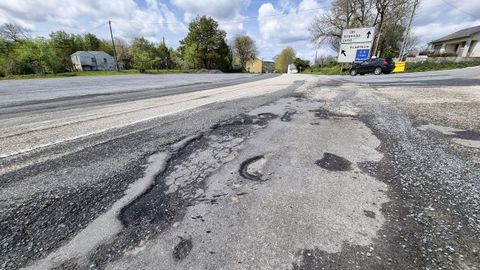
(411, 67)
(431, 66)
(330, 70)
(92, 73)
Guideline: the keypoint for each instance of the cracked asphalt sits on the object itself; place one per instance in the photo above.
(243, 172)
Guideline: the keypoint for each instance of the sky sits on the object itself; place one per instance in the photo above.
(273, 24)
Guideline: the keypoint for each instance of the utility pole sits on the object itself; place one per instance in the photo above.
(113, 46)
(407, 32)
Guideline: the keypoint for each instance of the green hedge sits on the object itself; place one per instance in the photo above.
(430, 65)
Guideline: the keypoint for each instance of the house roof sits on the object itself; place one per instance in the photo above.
(460, 34)
(94, 53)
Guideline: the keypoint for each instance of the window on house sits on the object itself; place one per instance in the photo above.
(105, 61)
(94, 60)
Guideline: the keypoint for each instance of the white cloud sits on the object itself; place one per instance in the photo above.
(226, 12)
(129, 19)
(436, 19)
(284, 26)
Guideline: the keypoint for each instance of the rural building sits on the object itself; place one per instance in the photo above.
(92, 60)
(463, 43)
(254, 66)
(260, 66)
(292, 69)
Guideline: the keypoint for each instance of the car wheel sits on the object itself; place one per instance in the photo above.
(378, 71)
(353, 72)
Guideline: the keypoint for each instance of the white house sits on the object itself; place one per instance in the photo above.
(92, 60)
(463, 43)
(292, 69)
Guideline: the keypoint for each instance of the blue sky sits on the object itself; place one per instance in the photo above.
(273, 24)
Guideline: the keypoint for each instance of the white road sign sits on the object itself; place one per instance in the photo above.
(354, 52)
(357, 35)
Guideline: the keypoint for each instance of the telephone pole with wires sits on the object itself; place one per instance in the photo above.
(407, 32)
(113, 46)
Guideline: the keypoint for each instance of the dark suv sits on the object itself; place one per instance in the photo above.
(376, 66)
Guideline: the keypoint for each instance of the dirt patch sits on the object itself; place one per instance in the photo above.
(333, 162)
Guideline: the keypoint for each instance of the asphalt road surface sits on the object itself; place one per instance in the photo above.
(241, 172)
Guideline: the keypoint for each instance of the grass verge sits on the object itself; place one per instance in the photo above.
(328, 70)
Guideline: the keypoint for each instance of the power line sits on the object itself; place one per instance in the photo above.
(463, 11)
(95, 27)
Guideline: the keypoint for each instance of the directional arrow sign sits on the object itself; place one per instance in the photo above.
(357, 35)
(348, 52)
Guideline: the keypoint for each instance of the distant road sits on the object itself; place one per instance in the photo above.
(28, 92)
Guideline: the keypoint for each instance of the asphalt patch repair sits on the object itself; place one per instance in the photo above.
(333, 162)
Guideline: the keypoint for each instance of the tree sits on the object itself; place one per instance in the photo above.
(207, 41)
(13, 32)
(387, 16)
(285, 58)
(189, 57)
(65, 45)
(142, 52)
(301, 64)
(245, 49)
(91, 42)
(163, 58)
(124, 57)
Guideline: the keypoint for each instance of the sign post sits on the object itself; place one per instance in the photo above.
(356, 44)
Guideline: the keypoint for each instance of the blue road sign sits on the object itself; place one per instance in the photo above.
(362, 55)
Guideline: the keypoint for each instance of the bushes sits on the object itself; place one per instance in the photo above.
(430, 65)
(438, 54)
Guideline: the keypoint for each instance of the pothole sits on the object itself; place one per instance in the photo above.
(326, 114)
(182, 249)
(267, 116)
(252, 168)
(369, 214)
(333, 162)
(287, 116)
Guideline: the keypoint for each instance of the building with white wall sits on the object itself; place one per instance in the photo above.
(463, 43)
(92, 60)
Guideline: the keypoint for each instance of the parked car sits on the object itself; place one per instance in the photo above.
(376, 66)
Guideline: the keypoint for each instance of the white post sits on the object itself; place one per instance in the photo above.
(466, 48)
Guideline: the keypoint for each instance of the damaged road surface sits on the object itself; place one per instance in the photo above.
(290, 172)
